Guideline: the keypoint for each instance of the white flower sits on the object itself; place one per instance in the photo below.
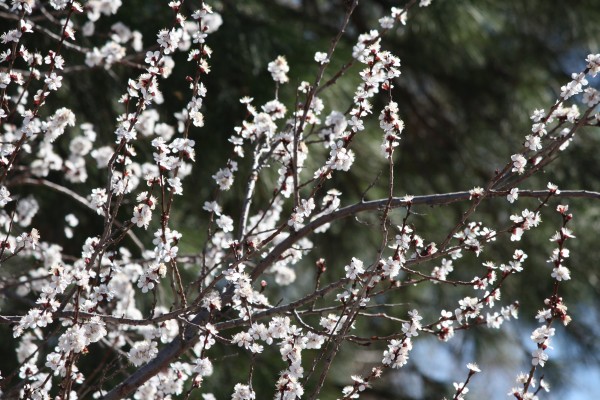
(53, 81)
(278, 69)
(169, 40)
(212, 22)
(533, 142)
(544, 385)
(142, 352)
(552, 188)
(224, 178)
(332, 323)
(391, 267)
(56, 363)
(175, 185)
(74, 339)
(321, 58)
(296, 221)
(538, 115)
(4, 196)
(513, 195)
(386, 22)
(412, 328)
(539, 357)
(396, 355)
(473, 367)
(542, 334)
(306, 207)
(142, 215)
(315, 341)
(476, 192)
(539, 129)
(354, 269)
(561, 273)
(243, 392)
(212, 206)
(574, 87)
(593, 65)
(204, 367)
(519, 163)
(460, 387)
(591, 97)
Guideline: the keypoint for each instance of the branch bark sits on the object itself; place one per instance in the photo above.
(190, 335)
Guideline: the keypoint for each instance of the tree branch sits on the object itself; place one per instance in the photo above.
(190, 336)
(80, 199)
(429, 200)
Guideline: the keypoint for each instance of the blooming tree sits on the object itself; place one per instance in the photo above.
(157, 320)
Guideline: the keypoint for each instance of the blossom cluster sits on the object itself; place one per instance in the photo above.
(555, 310)
(162, 303)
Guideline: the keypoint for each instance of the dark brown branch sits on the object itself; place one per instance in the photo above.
(190, 335)
(429, 200)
